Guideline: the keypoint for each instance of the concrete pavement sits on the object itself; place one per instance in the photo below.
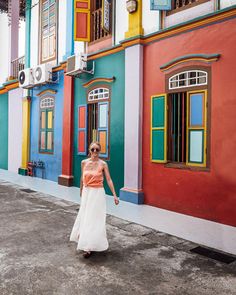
(37, 258)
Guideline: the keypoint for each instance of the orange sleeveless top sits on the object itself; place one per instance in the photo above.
(93, 175)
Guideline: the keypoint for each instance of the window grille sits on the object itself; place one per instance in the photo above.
(101, 18)
(98, 94)
(181, 3)
(47, 102)
(188, 79)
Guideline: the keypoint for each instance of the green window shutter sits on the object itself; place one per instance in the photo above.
(196, 128)
(159, 128)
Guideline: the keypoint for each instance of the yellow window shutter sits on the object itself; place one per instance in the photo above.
(82, 20)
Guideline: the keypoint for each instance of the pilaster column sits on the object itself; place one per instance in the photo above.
(25, 135)
(132, 190)
(69, 29)
(135, 22)
(66, 178)
(14, 13)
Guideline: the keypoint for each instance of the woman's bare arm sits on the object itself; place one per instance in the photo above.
(110, 183)
(81, 178)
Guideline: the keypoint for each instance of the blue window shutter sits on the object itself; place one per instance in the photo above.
(160, 4)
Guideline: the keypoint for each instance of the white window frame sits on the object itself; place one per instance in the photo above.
(47, 102)
(97, 94)
(176, 78)
(50, 34)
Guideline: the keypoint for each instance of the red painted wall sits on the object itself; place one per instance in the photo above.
(209, 195)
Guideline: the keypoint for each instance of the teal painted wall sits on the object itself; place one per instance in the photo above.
(106, 67)
(4, 131)
(27, 31)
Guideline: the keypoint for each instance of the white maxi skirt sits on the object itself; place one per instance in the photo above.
(89, 229)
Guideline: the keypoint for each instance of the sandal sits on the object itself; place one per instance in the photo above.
(87, 254)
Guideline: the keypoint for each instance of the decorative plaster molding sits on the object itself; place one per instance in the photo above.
(91, 82)
(190, 57)
(52, 91)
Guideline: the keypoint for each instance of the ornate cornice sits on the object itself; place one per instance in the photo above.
(190, 57)
(96, 80)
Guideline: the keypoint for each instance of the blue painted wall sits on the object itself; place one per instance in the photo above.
(53, 162)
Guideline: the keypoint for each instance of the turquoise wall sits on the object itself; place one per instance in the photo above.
(105, 67)
(4, 131)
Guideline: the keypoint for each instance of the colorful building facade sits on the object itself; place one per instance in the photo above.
(187, 101)
(157, 92)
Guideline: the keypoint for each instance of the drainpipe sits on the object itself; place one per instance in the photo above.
(26, 101)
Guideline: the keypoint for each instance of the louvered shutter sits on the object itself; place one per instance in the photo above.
(158, 129)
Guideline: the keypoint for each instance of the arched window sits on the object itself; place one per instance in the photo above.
(179, 120)
(46, 124)
(188, 79)
(93, 121)
(98, 94)
(47, 102)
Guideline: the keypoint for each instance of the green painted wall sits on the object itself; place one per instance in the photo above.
(4, 131)
(106, 67)
(27, 30)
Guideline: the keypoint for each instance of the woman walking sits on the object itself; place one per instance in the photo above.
(89, 229)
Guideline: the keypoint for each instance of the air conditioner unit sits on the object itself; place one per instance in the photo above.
(42, 73)
(76, 64)
(26, 78)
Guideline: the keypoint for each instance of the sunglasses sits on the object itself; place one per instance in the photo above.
(95, 150)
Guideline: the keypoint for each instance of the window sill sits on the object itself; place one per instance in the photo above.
(190, 5)
(100, 44)
(183, 166)
(47, 153)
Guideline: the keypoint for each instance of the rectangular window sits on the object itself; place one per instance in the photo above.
(178, 5)
(177, 127)
(100, 19)
(179, 135)
(46, 131)
(93, 20)
(48, 30)
(93, 125)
